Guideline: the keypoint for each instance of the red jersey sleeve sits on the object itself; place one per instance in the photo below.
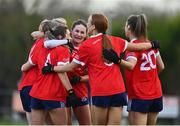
(119, 44)
(34, 51)
(64, 58)
(122, 45)
(131, 55)
(82, 55)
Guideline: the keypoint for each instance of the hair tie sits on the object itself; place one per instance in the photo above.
(104, 32)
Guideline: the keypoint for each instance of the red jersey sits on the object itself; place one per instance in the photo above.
(29, 77)
(80, 88)
(49, 86)
(143, 81)
(105, 79)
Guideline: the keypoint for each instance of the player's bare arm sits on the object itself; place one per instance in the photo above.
(26, 66)
(65, 68)
(160, 64)
(129, 64)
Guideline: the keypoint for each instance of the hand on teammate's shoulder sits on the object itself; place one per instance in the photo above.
(47, 69)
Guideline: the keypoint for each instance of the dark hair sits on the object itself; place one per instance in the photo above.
(53, 30)
(79, 22)
(59, 30)
(138, 25)
(100, 22)
(45, 25)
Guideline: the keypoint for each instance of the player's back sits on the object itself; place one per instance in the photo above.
(143, 81)
(49, 87)
(102, 74)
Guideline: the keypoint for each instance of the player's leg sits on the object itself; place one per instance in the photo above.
(69, 113)
(99, 115)
(91, 113)
(138, 111)
(137, 118)
(37, 111)
(99, 109)
(57, 111)
(26, 101)
(114, 116)
(38, 116)
(155, 108)
(28, 117)
(90, 107)
(152, 118)
(48, 120)
(83, 114)
(116, 106)
(58, 116)
(69, 116)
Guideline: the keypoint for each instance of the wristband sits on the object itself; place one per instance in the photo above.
(70, 91)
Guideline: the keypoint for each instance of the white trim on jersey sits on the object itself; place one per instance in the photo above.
(78, 62)
(62, 63)
(108, 64)
(131, 57)
(126, 44)
(157, 54)
(30, 61)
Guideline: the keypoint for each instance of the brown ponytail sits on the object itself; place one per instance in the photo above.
(138, 25)
(100, 22)
(106, 42)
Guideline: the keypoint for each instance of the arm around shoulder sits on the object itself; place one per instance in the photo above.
(65, 68)
(54, 43)
(37, 34)
(26, 66)
(143, 46)
(138, 46)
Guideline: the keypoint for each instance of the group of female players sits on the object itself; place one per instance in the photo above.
(61, 62)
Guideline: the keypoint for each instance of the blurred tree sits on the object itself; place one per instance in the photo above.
(166, 30)
(15, 40)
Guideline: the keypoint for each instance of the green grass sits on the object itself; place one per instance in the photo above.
(9, 121)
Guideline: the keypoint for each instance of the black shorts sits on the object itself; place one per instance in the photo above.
(145, 106)
(26, 98)
(115, 100)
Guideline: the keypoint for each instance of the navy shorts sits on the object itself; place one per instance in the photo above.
(116, 100)
(80, 102)
(145, 106)
(46, 104)
(26, 98)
